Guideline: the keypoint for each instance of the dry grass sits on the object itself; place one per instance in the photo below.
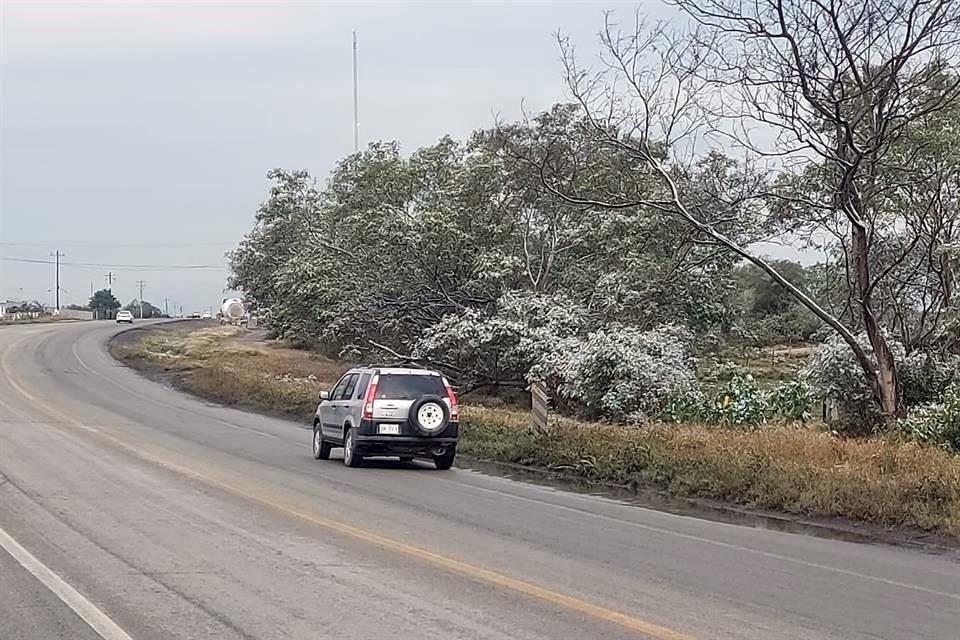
(786, 468)
(792, 469)
(220, 365)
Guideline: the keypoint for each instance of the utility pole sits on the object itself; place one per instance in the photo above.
(57, 255)
(141, 284)
(356, 99)
(110, 276)
(165, 310)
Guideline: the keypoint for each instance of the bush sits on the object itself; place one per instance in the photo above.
(834, 374)
(792, 400)
(512, 341)
(925, 377)
(687, 404)
(622, 372)
(740, 402)
(937, 424)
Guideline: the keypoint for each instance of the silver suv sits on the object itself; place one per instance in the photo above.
(388, 411)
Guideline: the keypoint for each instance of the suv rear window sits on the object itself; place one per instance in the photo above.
(394, 386)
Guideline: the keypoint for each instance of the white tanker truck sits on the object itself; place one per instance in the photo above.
(232, 311)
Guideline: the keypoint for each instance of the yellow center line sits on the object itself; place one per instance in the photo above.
(471, 571)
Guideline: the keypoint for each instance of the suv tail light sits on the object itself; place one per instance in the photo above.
(454, 405)
(371, 396)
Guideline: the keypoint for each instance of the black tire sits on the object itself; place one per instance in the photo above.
(445, 461)
(321, 448)
(350, 457)
(415, 419)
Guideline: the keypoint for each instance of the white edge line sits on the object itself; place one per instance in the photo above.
(718, 543)
(88, 612)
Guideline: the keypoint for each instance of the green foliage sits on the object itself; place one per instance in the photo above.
(792, 400)
(768, 312)
(687, 404)
(925, 377)
(739, 402)
(103, 303)
(834, 375)
(937, 424)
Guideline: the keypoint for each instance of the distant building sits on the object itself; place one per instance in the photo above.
(20, 308)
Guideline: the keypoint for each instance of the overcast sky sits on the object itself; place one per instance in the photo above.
(141, 132)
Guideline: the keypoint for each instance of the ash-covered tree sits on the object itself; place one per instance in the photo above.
(836, 87)
(461, 227)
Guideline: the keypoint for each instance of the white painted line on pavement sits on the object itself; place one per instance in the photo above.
(88, 612)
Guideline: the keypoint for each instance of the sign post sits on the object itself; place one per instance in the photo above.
(539, 400)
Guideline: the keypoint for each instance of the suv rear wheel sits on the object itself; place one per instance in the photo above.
(445, 461)
(350, 457)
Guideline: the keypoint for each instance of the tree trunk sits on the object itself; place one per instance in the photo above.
(883, 379)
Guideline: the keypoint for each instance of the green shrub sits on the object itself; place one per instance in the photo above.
(937, 424)
(792, 400)
(740, 402)
(925, 377)
(687, 404)
(835, 374)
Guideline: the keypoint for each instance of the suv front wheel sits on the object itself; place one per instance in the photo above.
(445, 460)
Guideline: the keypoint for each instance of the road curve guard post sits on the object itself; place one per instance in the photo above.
(539, 401)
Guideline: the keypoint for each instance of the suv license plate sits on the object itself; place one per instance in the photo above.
(389, 429)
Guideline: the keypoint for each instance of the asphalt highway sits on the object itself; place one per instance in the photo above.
(131, 511)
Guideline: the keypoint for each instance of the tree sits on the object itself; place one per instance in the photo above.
(767, 313)
(459, 230)
(103, 303)
(143, 309)
(838, 84)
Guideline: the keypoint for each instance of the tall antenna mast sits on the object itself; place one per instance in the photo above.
(356, 99)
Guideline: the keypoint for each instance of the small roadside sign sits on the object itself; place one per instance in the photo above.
(539, 401)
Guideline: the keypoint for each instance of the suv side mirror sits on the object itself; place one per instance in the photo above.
(324, 395)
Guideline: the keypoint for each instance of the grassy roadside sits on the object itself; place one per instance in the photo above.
(790, 469)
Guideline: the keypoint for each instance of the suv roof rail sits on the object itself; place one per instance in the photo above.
(405, 364)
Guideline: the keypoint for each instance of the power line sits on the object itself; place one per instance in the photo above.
(103, 265)
(230, 243)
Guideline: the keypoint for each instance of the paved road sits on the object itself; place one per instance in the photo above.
(152, 515)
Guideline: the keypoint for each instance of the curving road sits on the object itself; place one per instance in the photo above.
(129, 511)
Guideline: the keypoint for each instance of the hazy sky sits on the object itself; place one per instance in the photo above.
(140, 133)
